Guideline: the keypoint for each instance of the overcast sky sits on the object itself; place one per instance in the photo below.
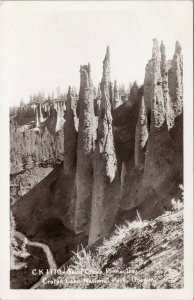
(43, 44)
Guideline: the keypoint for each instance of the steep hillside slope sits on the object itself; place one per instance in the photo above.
(141, 254)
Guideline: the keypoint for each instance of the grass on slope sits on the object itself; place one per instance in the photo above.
(141, 254)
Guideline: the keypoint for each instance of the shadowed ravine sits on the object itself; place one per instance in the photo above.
(45, 248)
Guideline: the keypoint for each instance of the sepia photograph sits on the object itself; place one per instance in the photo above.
(98, 173)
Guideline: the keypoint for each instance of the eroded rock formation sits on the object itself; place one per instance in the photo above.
(60, 113)
(84, 150)
(166, 96)
(70, 135)
(37, 122)
(121, 160)
(41, 119)
(148, 85)
(141, 136)
(160, 151)
(105, 197)
(176, 81)
(133, 94)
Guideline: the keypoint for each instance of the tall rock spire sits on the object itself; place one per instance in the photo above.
(133, 94)
(70, 135)
(141, 136)
(148, 85)
(105, 198)
(157, 105)
(167, 100)
(85, 148)
(160, 149)
(106, 144)
(176, 81)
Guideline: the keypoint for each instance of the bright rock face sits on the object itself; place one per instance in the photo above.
(141, 136)
(148, 85)
(167, 99)
(160, 167)
(85, 148)
(37, 123)
(106, 187)
(60, 113)
(41, 119)
(157, 104)
(176, 81)
(117, 101)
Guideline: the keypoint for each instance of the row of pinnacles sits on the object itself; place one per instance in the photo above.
(89, 147)
(41, 114)
(117, 158)
(51, 114)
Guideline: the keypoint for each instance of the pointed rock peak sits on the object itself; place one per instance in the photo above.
(108, 51)
(106, 67)
(162, 47)
(155, 51)
(115, 85)
(133, 94)
(89, 68)
(85, 76)
(178, 48)
(155, 43)
(135, 85)
(70, 90)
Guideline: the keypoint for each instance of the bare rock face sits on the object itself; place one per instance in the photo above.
(157, 105)
(160, 150)
(97, 104)
(176, 81)
(84, 150)
(70, 135)
(99, 91)
(141, 136)
(148, 85)
(41, 119)
(117, 101)
(55, 116)
(106, 187)
(176, 94)
(166, 96)
(37, 123)
(60, 113)
(38, 115)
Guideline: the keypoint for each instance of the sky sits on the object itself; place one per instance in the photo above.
(43, 44)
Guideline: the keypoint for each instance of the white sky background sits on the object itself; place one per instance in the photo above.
(43, 44)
